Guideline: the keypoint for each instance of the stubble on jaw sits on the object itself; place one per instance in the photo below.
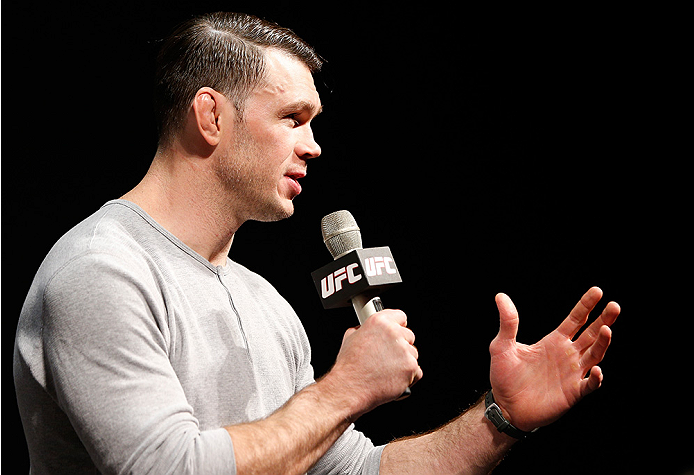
(242, 177)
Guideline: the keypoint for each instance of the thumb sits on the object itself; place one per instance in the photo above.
(508, 318)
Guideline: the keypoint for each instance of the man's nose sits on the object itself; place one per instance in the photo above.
(307, 147)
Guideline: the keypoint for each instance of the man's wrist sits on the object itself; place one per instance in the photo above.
(335, 391)
(494, 414)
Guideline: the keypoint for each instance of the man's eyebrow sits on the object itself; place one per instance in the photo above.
(301, 106)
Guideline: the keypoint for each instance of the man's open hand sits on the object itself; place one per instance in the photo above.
(535, 384)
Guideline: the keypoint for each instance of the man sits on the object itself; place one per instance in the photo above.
(142, 348)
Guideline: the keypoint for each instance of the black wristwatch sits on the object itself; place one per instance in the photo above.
(493, 413)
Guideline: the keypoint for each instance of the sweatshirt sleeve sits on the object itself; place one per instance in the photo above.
(353, 453)
(106, 343)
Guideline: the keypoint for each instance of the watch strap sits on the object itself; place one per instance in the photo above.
(493, 413)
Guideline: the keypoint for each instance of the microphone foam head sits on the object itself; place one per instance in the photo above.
(340, 233)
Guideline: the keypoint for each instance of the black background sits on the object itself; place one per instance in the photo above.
(517, 151)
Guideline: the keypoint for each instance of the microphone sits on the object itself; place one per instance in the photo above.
(356, 275)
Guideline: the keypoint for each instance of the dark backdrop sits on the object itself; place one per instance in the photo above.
(524, 152)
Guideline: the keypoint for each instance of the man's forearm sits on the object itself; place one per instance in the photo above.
(295, 436)
(375, 364)
(469, 444)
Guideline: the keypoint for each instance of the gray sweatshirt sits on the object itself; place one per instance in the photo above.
(133, 353)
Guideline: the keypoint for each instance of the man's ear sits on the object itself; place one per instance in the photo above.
(207, 107)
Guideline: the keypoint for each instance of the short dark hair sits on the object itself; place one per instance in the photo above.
(224, 51)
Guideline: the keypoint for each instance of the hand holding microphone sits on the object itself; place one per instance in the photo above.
(357, 276)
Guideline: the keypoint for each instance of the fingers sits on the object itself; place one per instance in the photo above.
(419, 374)
(407, 340)
(398, 316)
(579, 315)
(508, 318)
(592, 382)
(408, 335)
(591, 358)
(607, 317)
(596, 352)
(397, 321)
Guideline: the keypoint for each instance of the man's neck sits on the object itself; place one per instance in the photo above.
(182, 196)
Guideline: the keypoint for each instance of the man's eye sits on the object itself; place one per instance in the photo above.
(294, 118)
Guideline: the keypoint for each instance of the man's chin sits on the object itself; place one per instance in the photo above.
(282, 210)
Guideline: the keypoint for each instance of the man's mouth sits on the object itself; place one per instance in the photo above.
(293, 178)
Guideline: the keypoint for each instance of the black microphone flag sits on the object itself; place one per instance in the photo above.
(368, 272)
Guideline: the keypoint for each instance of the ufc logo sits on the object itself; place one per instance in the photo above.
(333, 282)
(376, 265)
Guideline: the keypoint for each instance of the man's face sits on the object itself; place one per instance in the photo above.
(268, 150)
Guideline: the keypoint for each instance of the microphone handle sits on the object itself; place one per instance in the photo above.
(366, 307)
